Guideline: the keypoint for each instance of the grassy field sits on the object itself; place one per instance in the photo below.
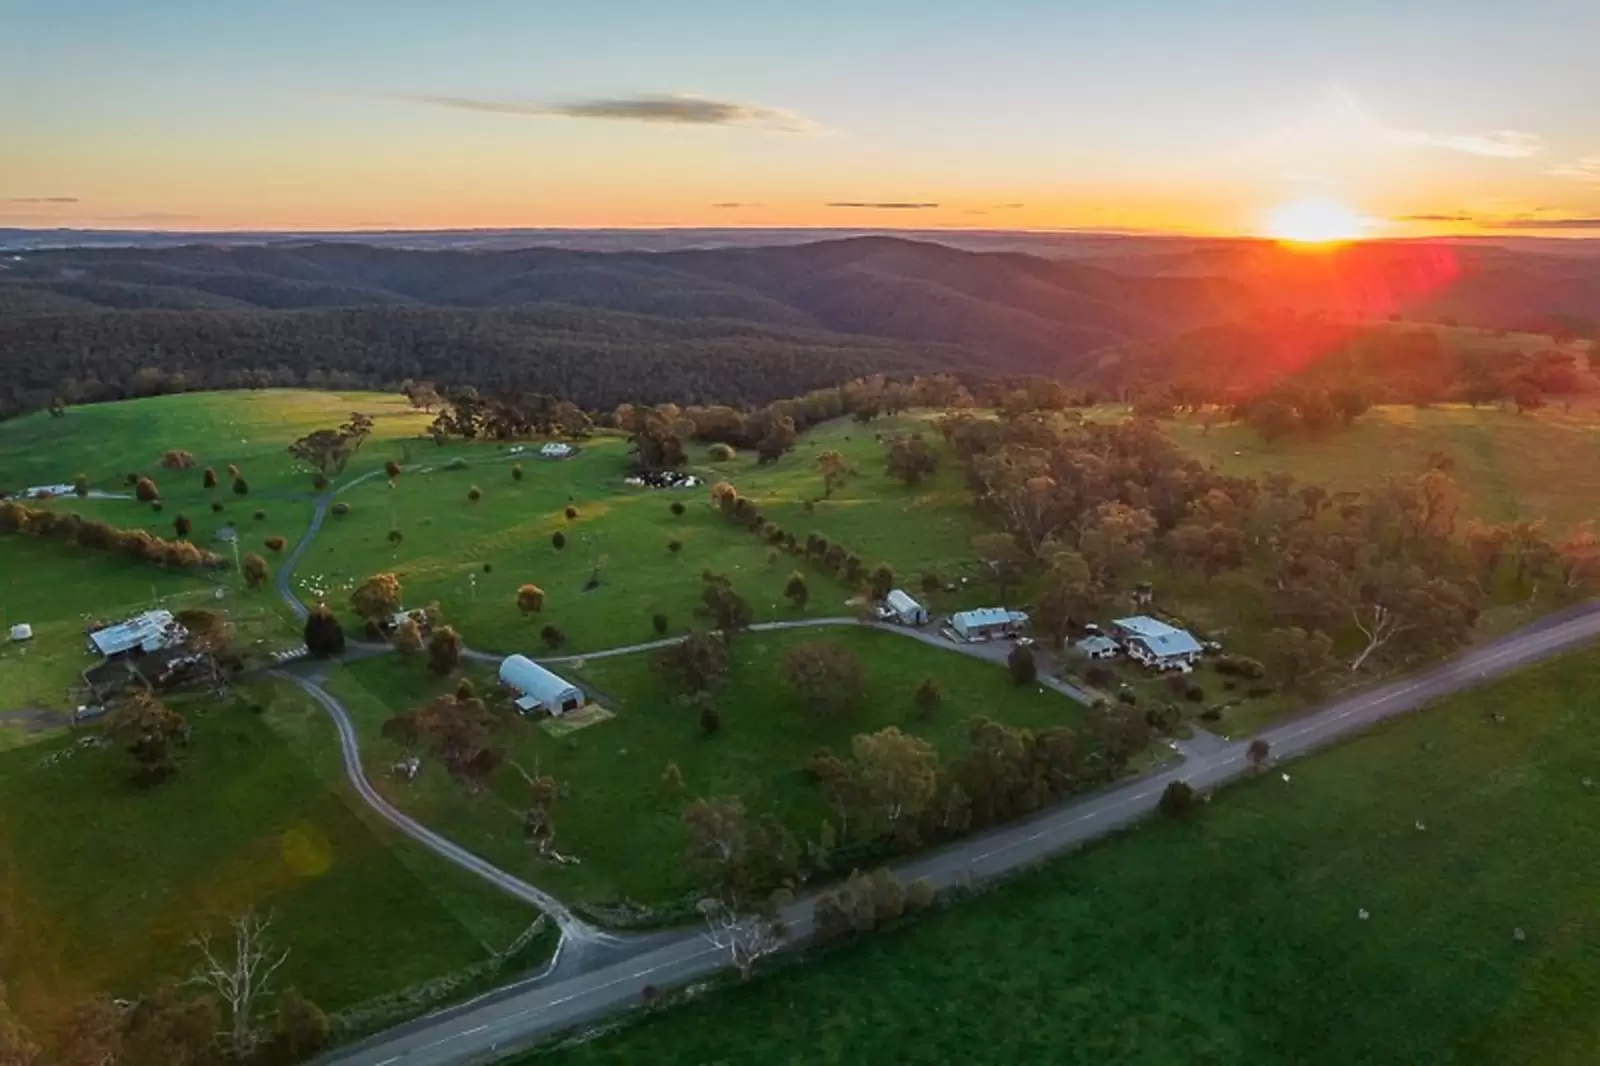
(471, 556)
(1239, 939)
(616, 814)
(102, 884)
(1510, 466)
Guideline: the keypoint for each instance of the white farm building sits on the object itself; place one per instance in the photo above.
(987, 623)
(907, 611)
(150, 632)
(539, 688)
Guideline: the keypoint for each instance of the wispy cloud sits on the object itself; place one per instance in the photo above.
(1585, 169)
(665, 109)
(42, 200)
(1435, 218)
(734, 205)
(1566, 222)
(884, 205)
(1497, 144)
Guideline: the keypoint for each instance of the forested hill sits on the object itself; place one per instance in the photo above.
(734, 324)
(728, 325)
(595, 358)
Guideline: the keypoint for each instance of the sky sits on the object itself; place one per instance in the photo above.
(1186, 116)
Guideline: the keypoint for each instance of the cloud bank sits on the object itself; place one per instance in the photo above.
(884, 205)
(668, 109)
(42, 200)
(1585, 169)
(1498, 144)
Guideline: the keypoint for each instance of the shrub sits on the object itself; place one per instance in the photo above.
(233, 470)
(1239, 666)
(216, 508)
(1023, 666)
(320, 482)
(572, 514)
(488, 568)
(927, 698)
(209, 479)
(341, 509)
(274, 544)
(181, 525)
(392, 469)
(474, 494)
(720, 453)
(177, 459)
(259, 516)
(1210, 714)
(558, 540)
(552, 637)
(710, 720)
(1194, 693)
(131, 480)
(530, 599)
(1103, 675)
(241, 487)
(1179, 800)
(672, 778)
(658, 622)
(1127, 697)
(677, 507)
(145, 491)
(395, 537)
(156, 506)
(674, 546)
(516, 472)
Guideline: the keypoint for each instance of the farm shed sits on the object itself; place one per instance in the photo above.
(987, 623)
(906, 610)
(539, 688)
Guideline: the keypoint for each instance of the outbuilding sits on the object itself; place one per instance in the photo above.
(147, 633)
(21, 631)
(557, 450)
(539, 688)
(1099, 646)
(1157, 644)
(987, 623)
(907, 611)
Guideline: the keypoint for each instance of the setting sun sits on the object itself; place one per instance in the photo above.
(1316, 221)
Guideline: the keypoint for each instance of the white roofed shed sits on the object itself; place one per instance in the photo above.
(539, 687)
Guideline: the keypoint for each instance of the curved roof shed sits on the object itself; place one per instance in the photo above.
(539, 687)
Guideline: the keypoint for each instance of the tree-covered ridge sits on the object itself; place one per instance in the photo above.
(592, 358)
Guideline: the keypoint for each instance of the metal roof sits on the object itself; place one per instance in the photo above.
(902, 601)
(982, 616)
(150, 632)
(531, 679)
(1159, 637)
(1099, 643)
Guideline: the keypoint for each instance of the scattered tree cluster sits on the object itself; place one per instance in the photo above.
(92, 534)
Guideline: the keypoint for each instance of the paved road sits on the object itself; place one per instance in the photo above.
(576, 934)
(502, 1024)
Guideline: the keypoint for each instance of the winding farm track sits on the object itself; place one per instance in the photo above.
(599, 973)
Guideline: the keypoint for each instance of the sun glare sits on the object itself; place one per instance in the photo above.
(1316, 221)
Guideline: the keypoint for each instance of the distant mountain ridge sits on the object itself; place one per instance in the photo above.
(81, 316)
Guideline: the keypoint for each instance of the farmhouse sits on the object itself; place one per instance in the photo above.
(905, 610)
(540, 688)
(1156, 644)
(144, 634)
(987, 623)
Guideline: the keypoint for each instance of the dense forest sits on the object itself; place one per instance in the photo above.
(593, 358)
(742, 325)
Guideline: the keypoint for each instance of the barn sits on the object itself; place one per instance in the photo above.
(539, 689)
